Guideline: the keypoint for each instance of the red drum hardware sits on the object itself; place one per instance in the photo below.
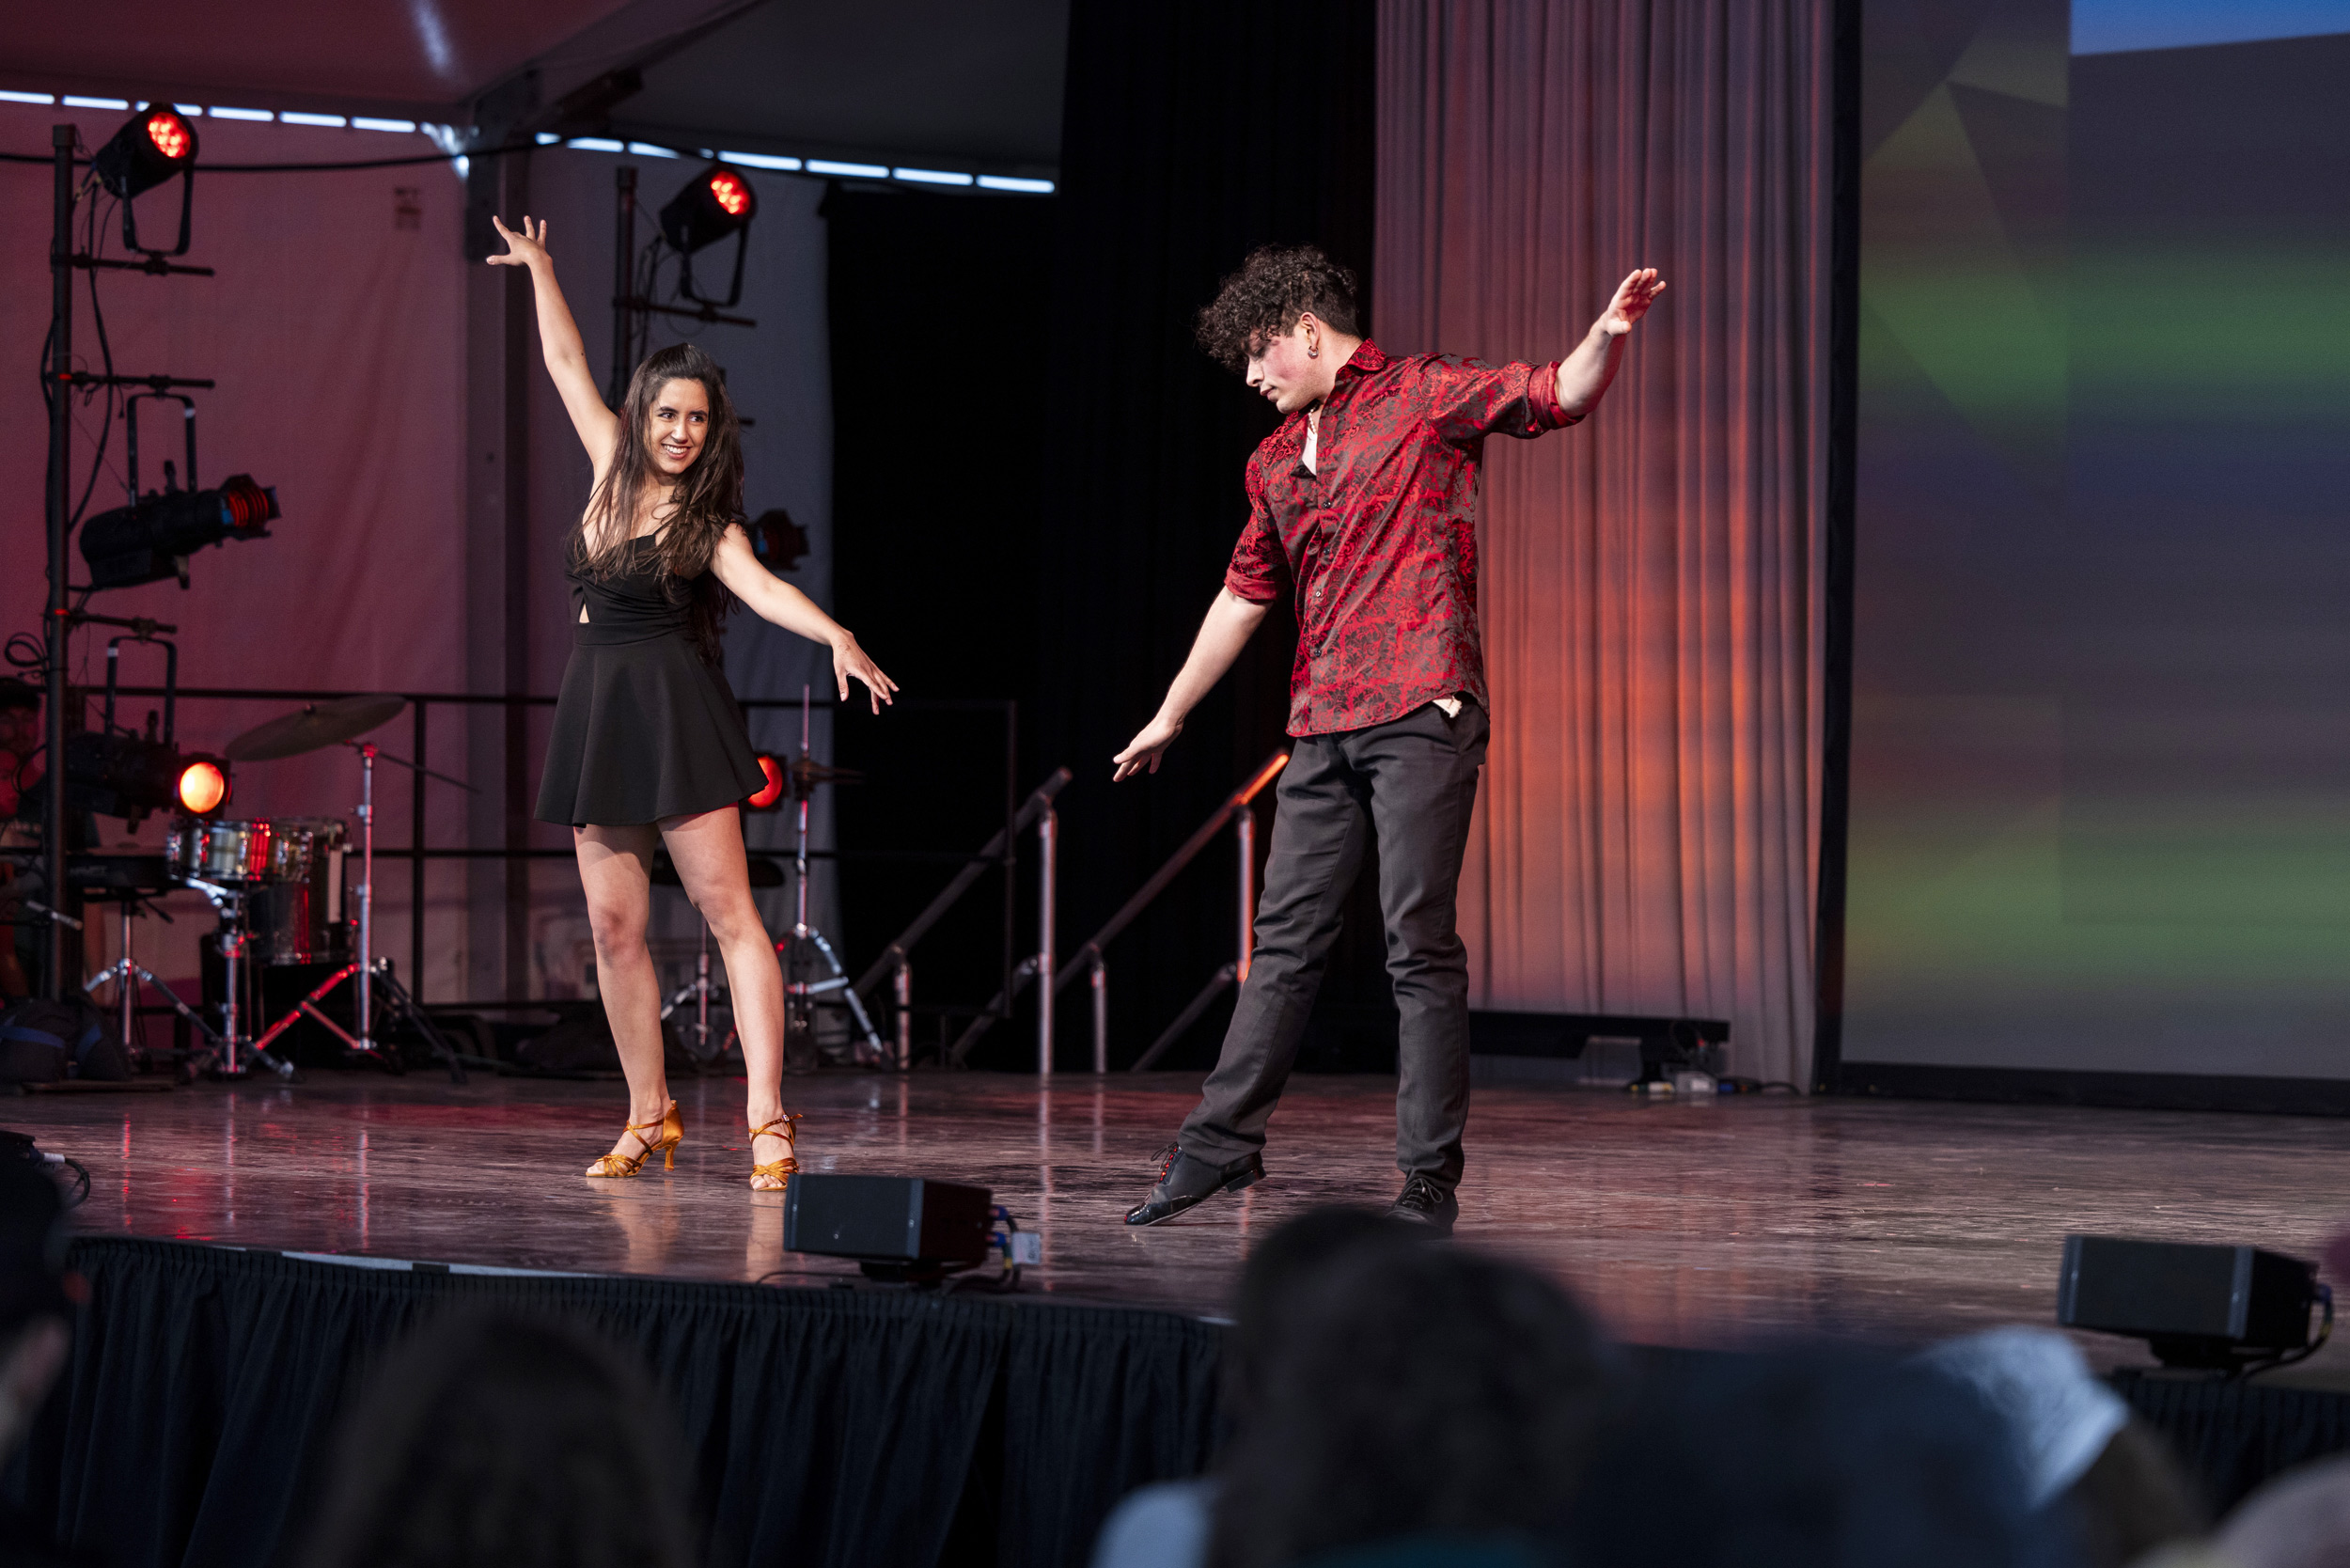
(279, 886)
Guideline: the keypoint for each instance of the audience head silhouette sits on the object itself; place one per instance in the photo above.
(1402, 1389)
(493, 1441)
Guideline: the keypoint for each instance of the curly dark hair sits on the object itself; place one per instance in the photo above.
(1274, 287)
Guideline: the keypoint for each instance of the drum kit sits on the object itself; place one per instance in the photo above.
(278, 885)
(811, 969)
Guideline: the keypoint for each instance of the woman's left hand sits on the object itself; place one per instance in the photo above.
(847, 659)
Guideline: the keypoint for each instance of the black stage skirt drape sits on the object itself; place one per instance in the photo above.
(825, 1426)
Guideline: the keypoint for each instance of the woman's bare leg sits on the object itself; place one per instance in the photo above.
(708, 849)
(615, 869)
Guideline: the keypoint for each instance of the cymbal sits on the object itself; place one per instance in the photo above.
(314, 725)
(804, 773)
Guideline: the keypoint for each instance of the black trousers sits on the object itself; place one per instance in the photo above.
(1412, 781)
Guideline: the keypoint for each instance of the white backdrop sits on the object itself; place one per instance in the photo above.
(335, 329)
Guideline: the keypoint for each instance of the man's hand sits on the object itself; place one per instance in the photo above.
(1584, 375)
(1634, 295)
(1145, 750)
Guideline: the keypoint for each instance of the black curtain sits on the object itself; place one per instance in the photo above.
(1194, 131)
(1037, 482)
(938, 309)
(844, 1427)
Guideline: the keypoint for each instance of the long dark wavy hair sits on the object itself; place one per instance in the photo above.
(703, 501)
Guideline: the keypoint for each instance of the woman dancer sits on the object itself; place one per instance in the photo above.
(649, 747)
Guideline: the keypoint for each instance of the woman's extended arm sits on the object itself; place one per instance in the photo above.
(774, 600)
(558, 336)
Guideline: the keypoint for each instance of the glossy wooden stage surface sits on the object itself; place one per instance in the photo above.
(1736, 1221)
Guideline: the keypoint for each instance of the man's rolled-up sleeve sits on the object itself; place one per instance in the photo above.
(1467, 401)
(1260, 571)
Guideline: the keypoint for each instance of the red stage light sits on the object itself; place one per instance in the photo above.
(203, 788)
(730, 192)
(770, 794)
(170, 133)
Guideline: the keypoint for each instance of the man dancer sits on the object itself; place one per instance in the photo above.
(1362, 507)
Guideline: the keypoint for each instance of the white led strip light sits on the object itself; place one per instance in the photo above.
(584, 144)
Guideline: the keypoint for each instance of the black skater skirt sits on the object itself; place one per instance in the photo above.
(643, 728)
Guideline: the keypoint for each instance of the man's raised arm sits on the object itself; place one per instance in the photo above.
(1232, 621)
(1584, 375)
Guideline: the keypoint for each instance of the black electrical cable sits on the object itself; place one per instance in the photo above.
(324, 168)
(76, 1195)
(106, 358)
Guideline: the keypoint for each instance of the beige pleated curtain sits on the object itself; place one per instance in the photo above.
(1647, 836)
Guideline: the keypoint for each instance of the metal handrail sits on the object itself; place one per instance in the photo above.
(1238, 800)
(1088, 960)
(990, 853)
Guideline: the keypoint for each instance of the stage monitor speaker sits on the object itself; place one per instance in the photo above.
(899, 1226)
(2195, 1305)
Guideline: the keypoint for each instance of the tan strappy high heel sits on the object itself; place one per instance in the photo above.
(672, 1130)
(779, 1172)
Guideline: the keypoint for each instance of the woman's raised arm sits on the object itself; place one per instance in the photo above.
(558, 336)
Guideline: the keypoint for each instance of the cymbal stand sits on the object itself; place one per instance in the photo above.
(229, 1038)
(376, 974)
(129, 975)
(701, 991)
(800, 996)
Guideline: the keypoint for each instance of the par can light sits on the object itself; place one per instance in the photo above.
(151, 146)
(718, 202)
(770, 794)
(153, 540)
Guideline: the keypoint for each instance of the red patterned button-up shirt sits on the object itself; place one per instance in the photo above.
(1377, 543)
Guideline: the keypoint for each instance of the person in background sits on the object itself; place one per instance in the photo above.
(2085, 1456)
(497, 1441)
(37, 1296)
(1165, 1525)
(1410, 1399)
(20, 770)
(1808, 1460)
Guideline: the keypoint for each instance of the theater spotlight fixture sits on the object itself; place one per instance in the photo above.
(151, 146)
(117, 774)
(204, 785)
(151, 539)
(768, 796)
(718, 202)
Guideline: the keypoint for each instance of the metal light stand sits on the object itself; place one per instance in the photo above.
(129, 975)
(801, 994)
(375, 975)
(1047, 855)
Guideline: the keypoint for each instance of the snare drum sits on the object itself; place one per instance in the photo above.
(272, 850)
(230, 853)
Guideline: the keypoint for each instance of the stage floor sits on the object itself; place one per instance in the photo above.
(1740, 1221)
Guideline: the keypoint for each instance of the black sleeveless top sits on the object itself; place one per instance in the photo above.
(643, 730)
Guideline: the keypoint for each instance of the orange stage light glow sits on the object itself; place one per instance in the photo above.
(202, 787)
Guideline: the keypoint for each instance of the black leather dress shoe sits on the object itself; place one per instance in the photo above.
(1424, 1204)
(1184, 1182)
